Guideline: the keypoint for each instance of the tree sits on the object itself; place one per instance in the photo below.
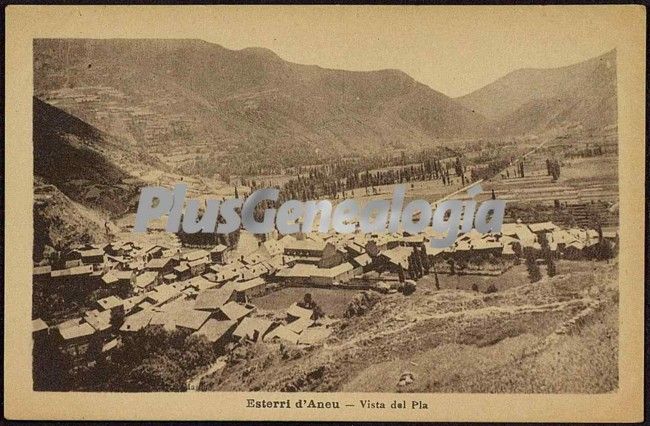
(196, 352)
(550, 267)
(51, 255)
(605, 250)
(435, 276)
(411, 271)
(547, 254)
(452, 266)
(361, 303)
(408, 288)
(424, 259)
(51, 366)
(153, 359)
(534, 273)
(307, 301)
(415, 260)
(157, 373)
(400, 273)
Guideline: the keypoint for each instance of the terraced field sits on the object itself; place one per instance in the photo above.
(541, 189)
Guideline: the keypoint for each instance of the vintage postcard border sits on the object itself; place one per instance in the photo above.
(24, 23)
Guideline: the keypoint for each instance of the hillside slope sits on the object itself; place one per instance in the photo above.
(512, 341)
(82, 161)
(533, 99)
(60, 222)
(241, 107)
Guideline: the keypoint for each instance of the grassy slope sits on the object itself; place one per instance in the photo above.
(86, 164)
(457, 341)
(59, 221)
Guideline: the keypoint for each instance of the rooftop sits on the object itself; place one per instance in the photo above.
(214, 298)
(213, 329)
(235, 311)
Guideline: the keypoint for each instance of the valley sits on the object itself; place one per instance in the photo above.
(533, 308)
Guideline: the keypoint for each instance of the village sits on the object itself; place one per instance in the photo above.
(117, 310)
(211, 291)
(95, 301)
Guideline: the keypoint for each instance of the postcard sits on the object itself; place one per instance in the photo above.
(407, 213)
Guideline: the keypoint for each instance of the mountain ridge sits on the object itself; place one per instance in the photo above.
(195, 104)
(83, 162)
(532, 99)
(248, 97)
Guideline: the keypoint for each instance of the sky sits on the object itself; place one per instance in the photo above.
(454, 50)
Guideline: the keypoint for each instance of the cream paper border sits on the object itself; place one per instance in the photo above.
(24, 23)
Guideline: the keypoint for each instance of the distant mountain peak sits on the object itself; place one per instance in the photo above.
(533, 99)
(261, 51)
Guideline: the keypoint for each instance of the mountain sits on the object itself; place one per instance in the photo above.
(537, 99)
(60, 222)
(82, 162)
(199, 108)
(189, 101)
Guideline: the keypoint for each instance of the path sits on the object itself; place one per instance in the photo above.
(193, 383)
(482, 311)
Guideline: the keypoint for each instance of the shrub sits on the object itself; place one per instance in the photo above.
(158, 373)
(361, 303)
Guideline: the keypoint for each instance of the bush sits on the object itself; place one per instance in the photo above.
(154, 359)
(408, 287)
(491, 289)
(474, 287)
(361, 303)
(604, 250)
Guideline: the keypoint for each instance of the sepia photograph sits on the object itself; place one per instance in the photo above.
(406, 203)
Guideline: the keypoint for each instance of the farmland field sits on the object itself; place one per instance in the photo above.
(334, 302)
(592, 169)
(513, 277)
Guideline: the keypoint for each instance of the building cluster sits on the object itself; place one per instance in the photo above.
(211, 292)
